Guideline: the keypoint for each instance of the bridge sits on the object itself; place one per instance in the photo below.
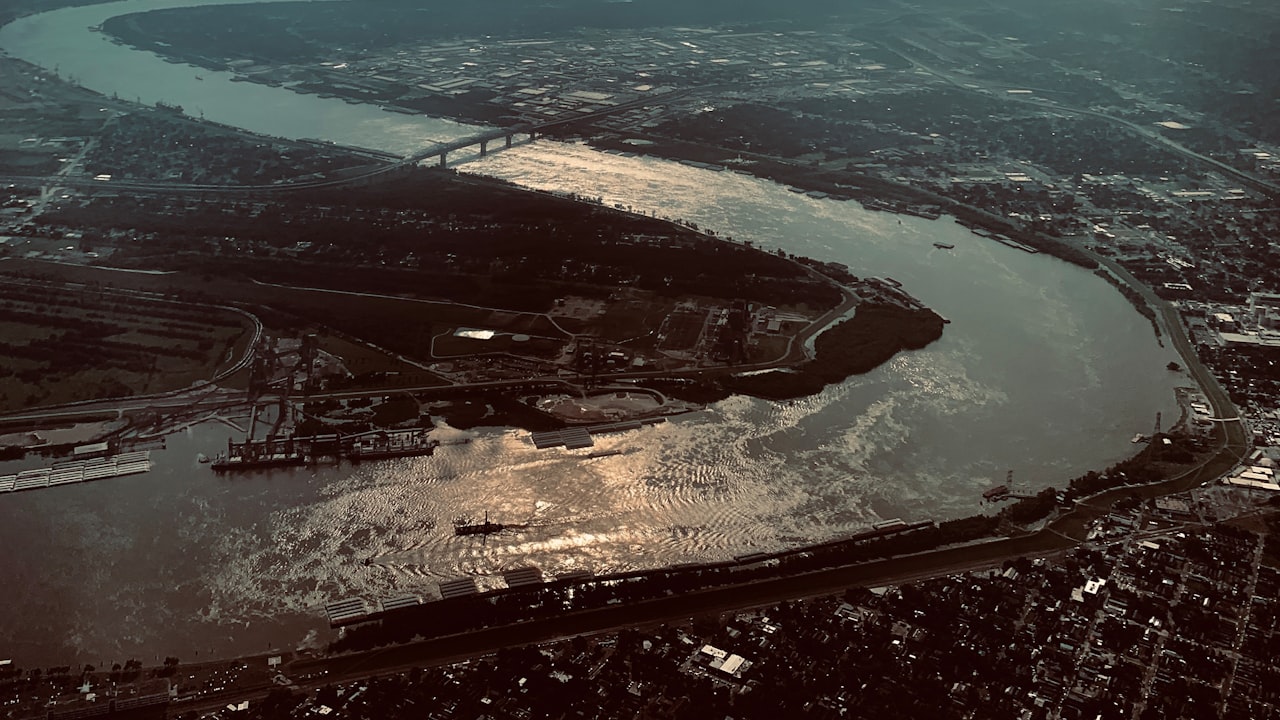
(509, 137)
(441, 150)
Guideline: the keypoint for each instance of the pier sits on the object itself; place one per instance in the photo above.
(283, 452)
(576, 438)
(522, 577)
(345, 612)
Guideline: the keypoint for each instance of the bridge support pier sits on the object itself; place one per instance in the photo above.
(484, 148)
(444, 159)
(508, 140)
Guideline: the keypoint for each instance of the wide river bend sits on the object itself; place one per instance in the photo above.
(1044, 369)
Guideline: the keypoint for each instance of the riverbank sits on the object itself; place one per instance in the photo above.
(15, 9)
(872, 192)
(914, 438)
(872, 337)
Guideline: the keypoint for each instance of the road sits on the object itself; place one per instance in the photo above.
(1236, 435)
(466, 646)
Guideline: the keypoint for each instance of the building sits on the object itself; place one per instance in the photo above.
(1264, 309)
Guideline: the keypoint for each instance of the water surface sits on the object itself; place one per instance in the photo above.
(1045, 369)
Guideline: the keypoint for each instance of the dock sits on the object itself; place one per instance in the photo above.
(352, 611)
(577, 438)
(400, 603)
(78, 471)
(380, 444)
(292, 451)
(570, 438)
(523, 576)
(462, 587)
(253, 454)
(998, 492)
(345, 612)
(1002, 239)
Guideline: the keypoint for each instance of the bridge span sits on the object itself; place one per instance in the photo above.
(508, 136)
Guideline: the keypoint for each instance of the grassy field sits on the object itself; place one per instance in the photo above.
(359, 358)
(61, 343)
(767, 348)
(682, 330)
(23, 162)
(631, 319)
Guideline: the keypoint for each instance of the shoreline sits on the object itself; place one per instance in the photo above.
(869, 191)
(676, 222)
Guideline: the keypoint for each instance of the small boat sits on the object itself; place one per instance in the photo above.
(998, 492)
(943, 246)
(200, 78)
(463, 526)
(202, 458)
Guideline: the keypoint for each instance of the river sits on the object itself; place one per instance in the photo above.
(1045, 369)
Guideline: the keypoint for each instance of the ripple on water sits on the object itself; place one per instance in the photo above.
(1043, 363)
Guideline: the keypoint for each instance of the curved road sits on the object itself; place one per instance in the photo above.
(1173, 329)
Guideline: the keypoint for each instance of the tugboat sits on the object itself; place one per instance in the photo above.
(462, 527)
